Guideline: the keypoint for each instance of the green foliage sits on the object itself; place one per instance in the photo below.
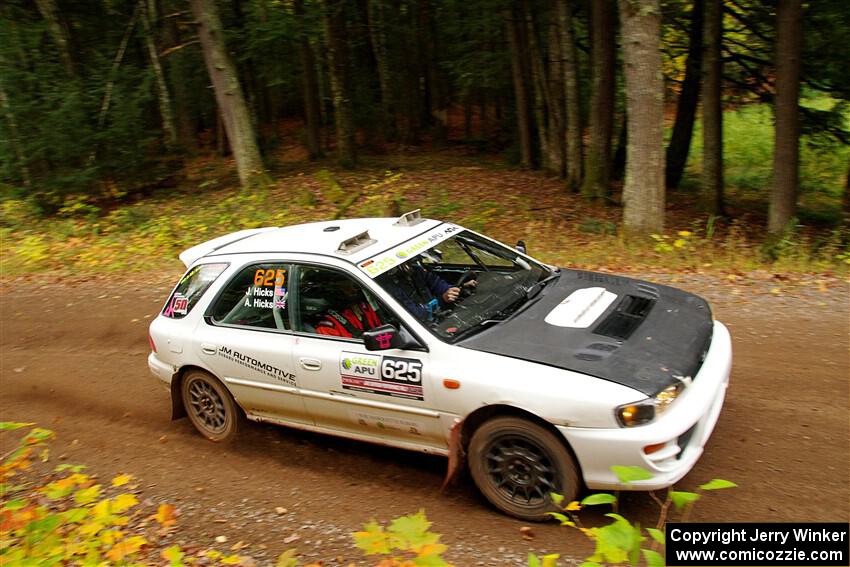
(630, 473)
(621, 541)
(748, 138)
(717, 484)
(599, 498)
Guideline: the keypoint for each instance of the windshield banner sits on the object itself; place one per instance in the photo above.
(380, 263)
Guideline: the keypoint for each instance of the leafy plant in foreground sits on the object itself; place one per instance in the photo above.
(72, 519)
(622, 541)
(406, 542)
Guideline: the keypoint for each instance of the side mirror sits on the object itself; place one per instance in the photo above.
(520, 246)
(384, 337)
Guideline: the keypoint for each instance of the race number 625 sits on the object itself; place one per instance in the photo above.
(400, 370)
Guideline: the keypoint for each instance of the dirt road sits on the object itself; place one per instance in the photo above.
(73, 360)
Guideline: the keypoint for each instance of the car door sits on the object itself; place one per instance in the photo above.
(386, 395)
(246, 339)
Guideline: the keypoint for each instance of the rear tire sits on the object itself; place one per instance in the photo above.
(210, 407)
(517, 464)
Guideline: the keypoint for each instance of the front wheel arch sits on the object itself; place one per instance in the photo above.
(477, 418)
(517, 463)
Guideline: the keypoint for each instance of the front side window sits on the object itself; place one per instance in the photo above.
(459, 283)
(257, 297)
(331, 303)
(191, 288)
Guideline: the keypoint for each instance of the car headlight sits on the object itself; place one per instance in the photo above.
(644, 411)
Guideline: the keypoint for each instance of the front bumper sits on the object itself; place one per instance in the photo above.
(684, 430)
(160, 369)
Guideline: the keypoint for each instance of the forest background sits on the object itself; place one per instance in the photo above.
(685, 135)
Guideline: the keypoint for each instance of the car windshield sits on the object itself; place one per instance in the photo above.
(463, 284)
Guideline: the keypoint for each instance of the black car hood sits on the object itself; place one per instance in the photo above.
(650, 337)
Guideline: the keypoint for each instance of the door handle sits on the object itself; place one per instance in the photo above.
(207, 348)
(311, 364)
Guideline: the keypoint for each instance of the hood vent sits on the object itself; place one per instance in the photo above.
(626, 318)
(599, 278)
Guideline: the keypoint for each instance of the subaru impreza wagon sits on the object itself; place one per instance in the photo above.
(427, 336)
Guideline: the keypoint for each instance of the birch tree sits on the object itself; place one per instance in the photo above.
(643, 193)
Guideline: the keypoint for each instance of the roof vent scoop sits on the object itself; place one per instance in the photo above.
(410, 219)
(355, 243)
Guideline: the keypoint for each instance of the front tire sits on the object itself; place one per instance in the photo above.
(210, 407)
(517, 464)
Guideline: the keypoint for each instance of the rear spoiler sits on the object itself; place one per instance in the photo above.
(190, 255)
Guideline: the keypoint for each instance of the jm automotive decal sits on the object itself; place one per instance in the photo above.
(388, 260)
(385, 375)
(257, 365)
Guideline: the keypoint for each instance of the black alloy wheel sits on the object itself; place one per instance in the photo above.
(210, 406)
(517, 465)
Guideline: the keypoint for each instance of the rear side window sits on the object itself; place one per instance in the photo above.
(256, 297)
(191, 288)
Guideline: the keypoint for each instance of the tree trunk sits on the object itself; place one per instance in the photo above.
(786, 150)
(686, 107)
(555, 83)
(163, 96)
(312, 111)
(14, 138)
(846, 201)
(523, 114)
(378, 37)
(542, 98)
(712, 109)
(228, 93)
(59, 33)
(618, 165)
(184, 98)
(572, 98)
(335, 35)
(437, 103)
(643, 192)
(597, 168)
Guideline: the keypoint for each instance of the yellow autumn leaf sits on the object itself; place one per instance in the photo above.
(230, 560)
(126, 547)
(121, 479)
(123, 502)
(87, 495)
(165, 515)
(685, 233)
(172, 554)
(573, 506)
(679, 243)
(89, 529)
(78, 478)
(101, 510)
(431, 549)
(109, 537)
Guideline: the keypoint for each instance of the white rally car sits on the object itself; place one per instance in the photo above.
(428, 336)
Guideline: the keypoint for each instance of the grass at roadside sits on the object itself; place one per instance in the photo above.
(477, 192)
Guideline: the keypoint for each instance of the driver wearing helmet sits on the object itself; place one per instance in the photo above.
(353, 319)
(421, 291)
